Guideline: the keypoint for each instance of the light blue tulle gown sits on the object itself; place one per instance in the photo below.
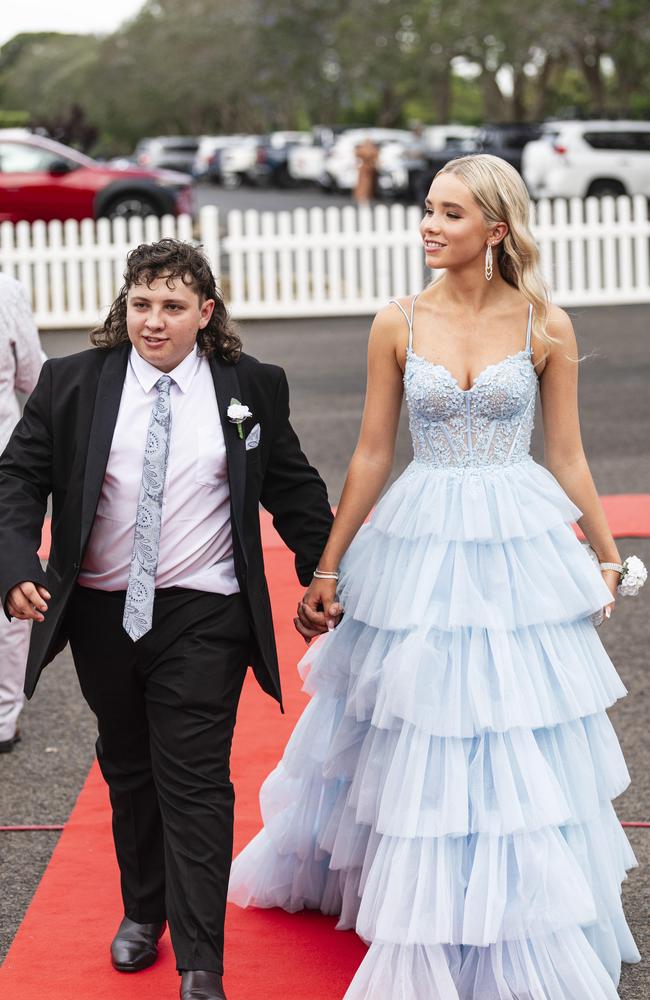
(448, 789)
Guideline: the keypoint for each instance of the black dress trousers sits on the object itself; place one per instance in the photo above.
(166, 708)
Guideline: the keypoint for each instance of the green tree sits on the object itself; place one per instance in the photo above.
(204, 66)
(180, 69)
(44, 75)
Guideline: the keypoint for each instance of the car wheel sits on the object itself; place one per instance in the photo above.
(231, 181)
(283, 179)
(606, 188)
(127, 205)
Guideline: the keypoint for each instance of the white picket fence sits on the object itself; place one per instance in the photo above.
(315, 262)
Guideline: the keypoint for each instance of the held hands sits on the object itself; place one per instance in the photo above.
(319, 611)
(27, 601)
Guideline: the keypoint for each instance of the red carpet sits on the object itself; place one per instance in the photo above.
(628, 515)
(61, 949)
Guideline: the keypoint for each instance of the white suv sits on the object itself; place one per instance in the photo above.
(577, 159)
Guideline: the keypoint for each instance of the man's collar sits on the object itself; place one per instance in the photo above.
(147, 374)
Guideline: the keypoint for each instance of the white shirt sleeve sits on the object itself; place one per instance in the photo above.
(21, 357)
(24, 341)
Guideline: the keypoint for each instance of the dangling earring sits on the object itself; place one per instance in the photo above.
(488, 262)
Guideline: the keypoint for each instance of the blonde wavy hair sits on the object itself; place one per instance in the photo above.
(502, 197)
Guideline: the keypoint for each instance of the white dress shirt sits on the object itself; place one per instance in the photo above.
(195, 538)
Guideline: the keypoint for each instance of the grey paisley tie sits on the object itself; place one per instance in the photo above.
(138, 609)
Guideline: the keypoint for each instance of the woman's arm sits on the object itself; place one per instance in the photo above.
(563, 451)
(293, 491)
(372, 460)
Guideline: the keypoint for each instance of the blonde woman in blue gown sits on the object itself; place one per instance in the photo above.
(447, 791)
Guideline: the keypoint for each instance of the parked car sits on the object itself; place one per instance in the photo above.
(432, 142)
(306, 162)
(508, 140)
(167, 152)
(271, 166)
(438, 136)
(237, 159)
(505, 140)
(341, 168)
(207, 162)
(582, 158)
(43, 179)
(392, 171)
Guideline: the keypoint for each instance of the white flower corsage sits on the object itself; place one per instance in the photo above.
(633, 576)
(238, 412)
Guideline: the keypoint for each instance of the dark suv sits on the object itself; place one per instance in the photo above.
(504, 140)
(42, 179)
(271, 167)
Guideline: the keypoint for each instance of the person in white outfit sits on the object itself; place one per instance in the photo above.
(21, 359)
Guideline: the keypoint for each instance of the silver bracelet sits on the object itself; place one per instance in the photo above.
(320, 575)
(617, 567)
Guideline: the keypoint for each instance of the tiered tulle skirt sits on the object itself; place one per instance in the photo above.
(447, 791)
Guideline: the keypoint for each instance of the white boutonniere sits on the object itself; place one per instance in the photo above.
(238, 412)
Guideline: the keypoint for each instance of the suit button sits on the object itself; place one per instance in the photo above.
(75, 565)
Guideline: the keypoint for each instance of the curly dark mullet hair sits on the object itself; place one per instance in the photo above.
(173, 260)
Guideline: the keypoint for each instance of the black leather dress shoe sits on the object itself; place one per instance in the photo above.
(135, 946)
(196, 985)
(6, 746)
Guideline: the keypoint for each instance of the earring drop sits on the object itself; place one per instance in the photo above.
(488, 262)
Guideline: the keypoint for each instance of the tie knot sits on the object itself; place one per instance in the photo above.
(163, 383)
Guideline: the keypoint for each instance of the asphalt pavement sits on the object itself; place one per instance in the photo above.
(268, 199)
(325, 363)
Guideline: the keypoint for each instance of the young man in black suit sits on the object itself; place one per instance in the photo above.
(157, 447)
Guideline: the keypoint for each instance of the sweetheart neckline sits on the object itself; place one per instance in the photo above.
(495, 364)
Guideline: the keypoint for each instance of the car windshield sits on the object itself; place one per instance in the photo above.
(511, 138)
(58, 151)
(181, 145)
(21, 158)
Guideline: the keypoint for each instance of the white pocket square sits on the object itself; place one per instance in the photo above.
(253, 438)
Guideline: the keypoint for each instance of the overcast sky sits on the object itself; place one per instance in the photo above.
(102, 16)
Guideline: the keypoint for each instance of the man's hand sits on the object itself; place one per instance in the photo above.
(27, 601)
(319, 611)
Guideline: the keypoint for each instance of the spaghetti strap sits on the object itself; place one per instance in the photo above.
(529, 329)
(409, 319)
(411, 322)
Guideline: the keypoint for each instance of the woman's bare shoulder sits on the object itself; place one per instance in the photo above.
(390, 321)
(560, 329)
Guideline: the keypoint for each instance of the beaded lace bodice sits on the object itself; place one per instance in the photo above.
(488, 424)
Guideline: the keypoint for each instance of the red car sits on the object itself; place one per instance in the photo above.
(42, 179)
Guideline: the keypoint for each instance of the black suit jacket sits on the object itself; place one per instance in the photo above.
(61, 447)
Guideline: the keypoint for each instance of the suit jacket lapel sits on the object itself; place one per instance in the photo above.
(226, 385)
(107, 404)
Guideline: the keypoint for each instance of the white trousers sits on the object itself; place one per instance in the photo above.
(14, 643)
